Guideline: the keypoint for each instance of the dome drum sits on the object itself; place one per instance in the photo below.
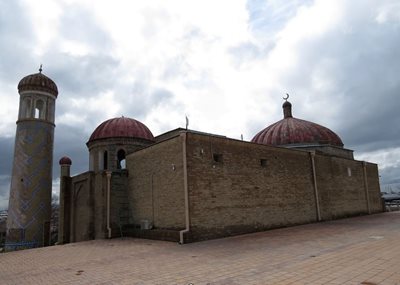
(113, 140)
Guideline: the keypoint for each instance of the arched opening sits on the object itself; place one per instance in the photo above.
(105, 160)
(121, 162)
(39, 114)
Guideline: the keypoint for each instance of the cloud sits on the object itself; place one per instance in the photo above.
(343, 75)
(7, 150)
(389, 167)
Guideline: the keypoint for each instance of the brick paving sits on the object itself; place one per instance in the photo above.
(362, 250)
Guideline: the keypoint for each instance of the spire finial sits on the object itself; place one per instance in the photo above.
(287, 97)
(287, 107)
(40, 68)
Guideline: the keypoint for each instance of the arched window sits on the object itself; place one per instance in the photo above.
(121, 163)
(105, 160)
(39, 106)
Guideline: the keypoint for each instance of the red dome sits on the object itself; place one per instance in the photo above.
(121, 128)
(39, 82)
(65, 160)
(290, 130)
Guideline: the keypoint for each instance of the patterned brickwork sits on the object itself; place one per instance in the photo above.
(361, 250)
(30, 195)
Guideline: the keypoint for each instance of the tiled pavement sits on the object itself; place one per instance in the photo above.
(361, 250)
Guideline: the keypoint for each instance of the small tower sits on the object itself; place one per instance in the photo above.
(65, 200)
(29, 209)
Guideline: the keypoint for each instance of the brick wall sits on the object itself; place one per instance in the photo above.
(82, 207)
(156, 185)
(120, 212)
(100, 200)
(234, 187)
(255, 187)
(341, 187)
(375, 198)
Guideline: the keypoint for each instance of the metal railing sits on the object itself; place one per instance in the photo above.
(393, 205)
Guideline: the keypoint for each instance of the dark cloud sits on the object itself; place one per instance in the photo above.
(140, 99)
(16, 38)
(390, 175)
(78, 76)
(71, 141)
(7, 150)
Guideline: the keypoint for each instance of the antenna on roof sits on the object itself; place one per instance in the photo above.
(40, 68)
(287, 97)
(187, 121)
(241, 136)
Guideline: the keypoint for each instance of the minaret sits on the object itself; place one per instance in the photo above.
(29, 209)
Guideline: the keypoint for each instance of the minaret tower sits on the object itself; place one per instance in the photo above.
(29, 209)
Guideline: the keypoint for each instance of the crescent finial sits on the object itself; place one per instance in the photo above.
(287, 97)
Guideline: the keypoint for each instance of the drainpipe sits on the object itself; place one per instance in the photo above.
(366, 186)
(108, 173)
(152, 197)
(312, 156)
(185, 188)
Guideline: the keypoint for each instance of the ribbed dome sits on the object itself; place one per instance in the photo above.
(39, 82)
(290, 130)
(121, 128)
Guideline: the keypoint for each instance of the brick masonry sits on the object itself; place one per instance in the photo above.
(250, 188)
(156, 191)
(233, 187)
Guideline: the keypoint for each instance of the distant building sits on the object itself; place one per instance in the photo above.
(187, 186)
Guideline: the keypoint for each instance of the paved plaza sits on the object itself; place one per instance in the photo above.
(361, 250)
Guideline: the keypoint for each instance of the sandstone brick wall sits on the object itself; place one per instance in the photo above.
(255, 187)
(342, 191)
(234, 187)
(100, 204)
(156, 185)
(239, 194)
(85, 201)
(120, 212)
(82, 207)
(375, 198)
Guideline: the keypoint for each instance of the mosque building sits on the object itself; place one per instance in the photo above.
(188, 186)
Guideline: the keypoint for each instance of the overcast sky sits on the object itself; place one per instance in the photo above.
(224, 64)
